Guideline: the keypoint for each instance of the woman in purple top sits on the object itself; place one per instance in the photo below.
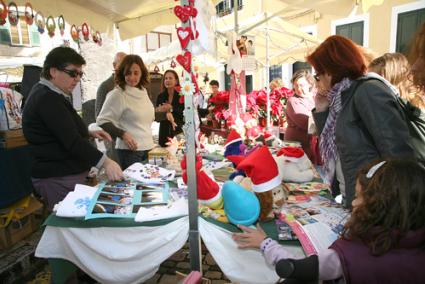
(298, 110)
(382, 242)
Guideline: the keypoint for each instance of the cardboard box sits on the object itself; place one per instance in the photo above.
(158, 156)
(26, 222)
(12, 139)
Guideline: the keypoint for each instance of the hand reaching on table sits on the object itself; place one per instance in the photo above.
(249, 238)
(113, 170)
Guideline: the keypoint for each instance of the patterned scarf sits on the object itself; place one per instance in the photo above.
(327, 143)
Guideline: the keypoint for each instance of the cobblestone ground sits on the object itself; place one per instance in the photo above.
(180, 262)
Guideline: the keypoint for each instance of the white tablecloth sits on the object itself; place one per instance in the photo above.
(115, 254)
(239, 265)
(133, 254)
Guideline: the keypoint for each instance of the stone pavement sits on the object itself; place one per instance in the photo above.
(180, 262)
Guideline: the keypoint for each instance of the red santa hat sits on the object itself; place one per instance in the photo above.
(198, 163)
(261, 167)
(292, 154)
(268, 136)
(208, 190)
(232, 138)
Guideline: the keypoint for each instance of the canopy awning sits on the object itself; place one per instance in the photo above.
(287, 43)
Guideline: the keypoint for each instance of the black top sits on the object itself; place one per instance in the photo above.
(165, 129)
(57, 135)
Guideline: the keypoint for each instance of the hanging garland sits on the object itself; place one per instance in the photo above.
(29, 14)
(13, 14)
(51, 26)
(75, 33)
(61, 25)
(85, 31)
(39, 21)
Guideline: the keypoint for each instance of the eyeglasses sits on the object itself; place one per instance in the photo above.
(316, 77)
(72, 73)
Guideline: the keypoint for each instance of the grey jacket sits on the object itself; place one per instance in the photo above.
(370, 126)
(102, 91)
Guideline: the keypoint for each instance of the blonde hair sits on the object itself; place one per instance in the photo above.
(276, 83)
(417, 49)
(396, 69)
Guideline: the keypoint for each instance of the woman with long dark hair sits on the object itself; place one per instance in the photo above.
(168, 103)
(128, 112)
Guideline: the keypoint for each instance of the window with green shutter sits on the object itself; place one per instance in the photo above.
(407, 24)
(275, 71)
(5, 34)
(353, 31)
(34, 35)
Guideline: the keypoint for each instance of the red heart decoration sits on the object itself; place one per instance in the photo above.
(194, 12)
(185, 60)
(184, 35)
(181, 13)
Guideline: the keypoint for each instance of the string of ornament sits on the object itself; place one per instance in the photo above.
(11, 14)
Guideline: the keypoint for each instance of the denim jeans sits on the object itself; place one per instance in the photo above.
(129, 157)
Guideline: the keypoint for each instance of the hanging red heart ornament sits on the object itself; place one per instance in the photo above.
(190, 11)
(181, 14)
(184, 34)
(185, 60)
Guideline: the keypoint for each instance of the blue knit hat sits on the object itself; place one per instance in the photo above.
(232, 144)
(241, 206)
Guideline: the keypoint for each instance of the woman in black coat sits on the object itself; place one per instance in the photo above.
(169, 109)
(358, 119)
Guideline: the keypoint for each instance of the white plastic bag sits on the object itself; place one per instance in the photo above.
(10, 109)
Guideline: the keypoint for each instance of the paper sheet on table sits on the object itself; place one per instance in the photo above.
(149, 174)
(76, 203)
(175, 209)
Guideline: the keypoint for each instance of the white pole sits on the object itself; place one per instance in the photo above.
(267, 74)
(194, 240)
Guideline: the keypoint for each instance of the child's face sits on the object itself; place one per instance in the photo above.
(359, 199)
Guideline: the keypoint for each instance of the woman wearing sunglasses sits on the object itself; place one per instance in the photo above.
(128, 112)
(62, 153)
(357, 119)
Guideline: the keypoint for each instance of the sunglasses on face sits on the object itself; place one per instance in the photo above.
(72, 73)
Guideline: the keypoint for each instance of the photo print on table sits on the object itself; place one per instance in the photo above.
(116, 199)
(119, 190)
(101, 208)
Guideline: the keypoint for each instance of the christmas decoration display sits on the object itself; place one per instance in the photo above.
(39, 21)
(13, 14)
(61, 25)
(29, 14)
(50, 26)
